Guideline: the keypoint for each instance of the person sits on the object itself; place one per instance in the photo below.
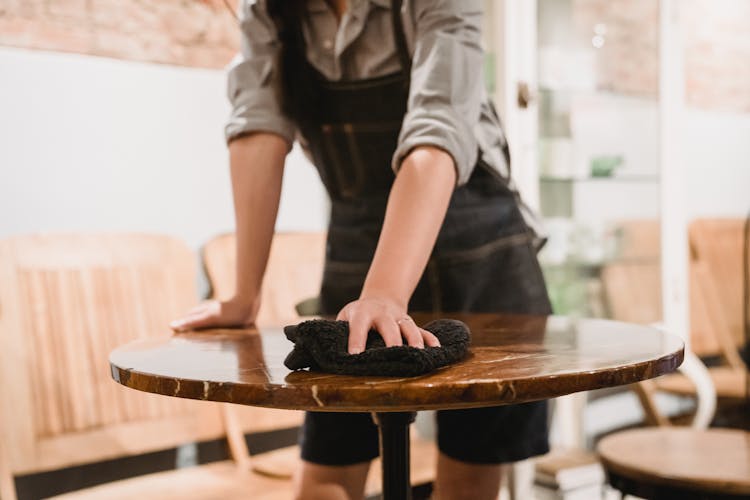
(388, 100)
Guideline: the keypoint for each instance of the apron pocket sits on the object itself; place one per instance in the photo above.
(500, 276)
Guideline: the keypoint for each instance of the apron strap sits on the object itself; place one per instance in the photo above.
(400, 37)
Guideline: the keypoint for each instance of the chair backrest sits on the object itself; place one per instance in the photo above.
(640, 240)
(632, 286)
(293, 273)
(65, 302)
(718, 243)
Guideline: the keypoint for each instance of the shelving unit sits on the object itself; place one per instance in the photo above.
(598, 161)
(647, 185)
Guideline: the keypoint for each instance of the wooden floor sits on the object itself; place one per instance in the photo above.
(270, 479)
(217, 481)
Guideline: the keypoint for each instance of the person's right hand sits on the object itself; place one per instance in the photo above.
(217, 314)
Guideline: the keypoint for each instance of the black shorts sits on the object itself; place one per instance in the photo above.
(493, 435)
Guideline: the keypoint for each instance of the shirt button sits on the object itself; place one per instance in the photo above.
(327, 44)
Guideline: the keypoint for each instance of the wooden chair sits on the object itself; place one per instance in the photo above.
(633, 290)
(716, 287)
(632, 285)
(65, 302)
(674, 462)
(293, 274)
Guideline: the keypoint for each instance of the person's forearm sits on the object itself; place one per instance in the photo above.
(416, 208)
(257, 167)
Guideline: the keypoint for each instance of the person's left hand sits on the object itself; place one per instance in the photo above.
(389, 319)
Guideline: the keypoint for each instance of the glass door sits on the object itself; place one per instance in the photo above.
(598, 156)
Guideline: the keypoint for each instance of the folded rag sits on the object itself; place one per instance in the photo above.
(322, 345)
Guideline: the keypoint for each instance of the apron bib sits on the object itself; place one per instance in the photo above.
(484, 259)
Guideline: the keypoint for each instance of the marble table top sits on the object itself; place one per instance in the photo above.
(512, 359)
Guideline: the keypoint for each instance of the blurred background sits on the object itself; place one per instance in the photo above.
(629, 126)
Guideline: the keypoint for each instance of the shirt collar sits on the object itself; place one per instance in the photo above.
(357, 8)
(321, 5)
(317, 6)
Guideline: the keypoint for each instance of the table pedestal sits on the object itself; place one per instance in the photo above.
(393, 428)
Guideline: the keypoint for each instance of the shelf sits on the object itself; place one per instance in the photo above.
(594, 265)
(624, 178)
(594, 91)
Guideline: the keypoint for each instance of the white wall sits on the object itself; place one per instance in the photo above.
(90, 143)
(94, 144)
(717, 163)
(715, 150)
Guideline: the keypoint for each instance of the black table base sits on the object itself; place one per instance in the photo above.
(394, 453)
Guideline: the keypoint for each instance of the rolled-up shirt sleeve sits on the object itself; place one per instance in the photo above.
(446, 83)
(250, 89)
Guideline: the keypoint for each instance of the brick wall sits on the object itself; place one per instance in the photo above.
(203, 33)
(627, 61)
(717, 56)
(198, 33)
(716, 44)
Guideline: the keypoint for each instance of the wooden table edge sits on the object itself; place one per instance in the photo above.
(226, 392)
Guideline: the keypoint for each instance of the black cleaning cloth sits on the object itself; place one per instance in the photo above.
(323, 345)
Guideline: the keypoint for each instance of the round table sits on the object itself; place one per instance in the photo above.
(513, 359)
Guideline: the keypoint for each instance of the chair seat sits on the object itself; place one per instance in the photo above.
(714, 461)
(214, 481)
(281, 463)
(729, 382)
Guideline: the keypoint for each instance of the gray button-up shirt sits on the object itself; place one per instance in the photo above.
(448, 105)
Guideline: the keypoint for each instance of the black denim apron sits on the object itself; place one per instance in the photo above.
(483, 261)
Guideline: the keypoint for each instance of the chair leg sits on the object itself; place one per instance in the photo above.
(694, 369)
(235, 437)
(567, 421)
(521, 480)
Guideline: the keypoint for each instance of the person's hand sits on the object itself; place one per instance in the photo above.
(216, 314)
(388, 318)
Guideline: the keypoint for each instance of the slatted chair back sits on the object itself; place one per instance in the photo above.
(632, 286)
(718, 243)
(65, 302)
(632, 282)
(639, 240)
(293, 273)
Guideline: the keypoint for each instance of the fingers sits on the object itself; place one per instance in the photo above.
(392, 325)
(343, 315)
(187, 321)
(200, 321)
(192, 321)
(184, 321)
(357, 331)
(215, 314)
(201, 316)
(429, 339)
(411, 332)
(389, 330)
(358, 327)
